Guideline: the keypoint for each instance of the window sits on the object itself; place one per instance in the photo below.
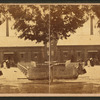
(78, 53)
(34, 56)
(65, 54)
(22, 54)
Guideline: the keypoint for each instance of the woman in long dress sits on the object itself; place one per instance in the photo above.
(91, 62)
(88, 63)
(4, 65)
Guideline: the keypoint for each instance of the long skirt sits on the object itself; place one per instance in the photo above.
(4, 65)
(88, 64)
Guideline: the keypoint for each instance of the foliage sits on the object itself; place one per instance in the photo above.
(37, 22)
(96, 10)
(2, 13)
(66, 18)
(31, 21)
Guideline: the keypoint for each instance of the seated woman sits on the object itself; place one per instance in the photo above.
(81, 69)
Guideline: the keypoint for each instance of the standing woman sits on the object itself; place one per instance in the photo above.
(88, 63)
(8, 63)
(4, 65)
(92, 62)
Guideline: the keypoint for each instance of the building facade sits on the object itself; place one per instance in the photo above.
(22, 54)
(19, 50)
(79, 48)
(78, 52)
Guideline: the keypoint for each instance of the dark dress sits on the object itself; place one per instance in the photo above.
(81, 70)
(92, 63)
(8, 64)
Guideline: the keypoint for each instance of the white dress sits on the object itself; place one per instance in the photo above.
(4, 65)
(88, 63)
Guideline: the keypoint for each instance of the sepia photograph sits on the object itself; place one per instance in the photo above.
(24, 62)
(49, 49)
(75, 49)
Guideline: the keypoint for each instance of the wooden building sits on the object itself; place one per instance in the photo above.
(79, 48)
(16, 50)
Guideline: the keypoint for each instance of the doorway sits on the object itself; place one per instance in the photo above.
(94, 55)
(9, 56)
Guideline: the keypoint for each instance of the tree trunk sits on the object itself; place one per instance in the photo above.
(53, 57)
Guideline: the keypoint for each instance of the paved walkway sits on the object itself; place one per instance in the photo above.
(12, 73)
(92, 75)
(14, 81)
